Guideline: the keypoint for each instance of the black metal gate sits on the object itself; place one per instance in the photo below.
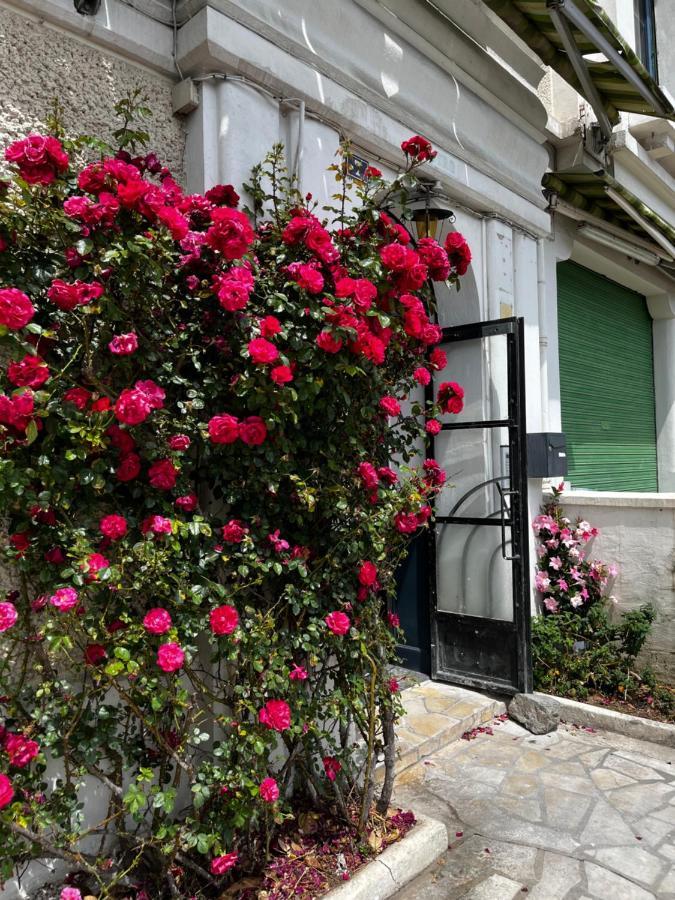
(478, 550)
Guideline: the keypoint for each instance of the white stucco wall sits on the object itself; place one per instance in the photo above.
(39, 62)
(637, 533)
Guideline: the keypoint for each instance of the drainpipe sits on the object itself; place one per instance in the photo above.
(543, 336)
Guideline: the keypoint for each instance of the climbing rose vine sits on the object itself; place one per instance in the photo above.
(199, 412)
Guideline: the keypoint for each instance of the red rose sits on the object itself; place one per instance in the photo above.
(362, 291)
(124, 344)
(269, 790)
(368, 475)
(222, 864)
(372, 172)
(281, 374)
(223, 429)
(78, 396)
(132, 407)
(157, 525)
(253, 431)
(262, 352)
(367, 574)
(222, 195)
(434, 475)
(458, 252)
(331, 767)
(231, 233)
(129, 467)
(234, 532)
(162, 474)
(451, 397)
(179, 442)
(432, 426)
(31, 372)
(422, 376)
(269, 326)
(437, 359)
(234, 288)
(20, 750)
(186, 503)
(174, 221)
(419, 148)
(393, 620)
(95, 563)
(157, 620)
(307, 277)
(152, 392)
(223, 619)
(120, 438)
(39, 159)
(435, 258)
(16, 411)
(113, 526)
(16, 310)
(338, 622)
(397, 257)
(95, 654)
(69, 296)
(102, 404)
(276, 715)
(405, 522)
(170, 657)
(328, 342)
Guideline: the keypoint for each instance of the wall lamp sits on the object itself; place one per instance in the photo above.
(87, 7)
(428, 207)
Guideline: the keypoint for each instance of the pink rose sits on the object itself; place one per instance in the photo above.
(231, 233)
(174, 221)
(234, 532)
(124, 344)
(95, 563)
(157, 525)
(390, 405)
(64, 599)
(422, 376)
(39, 158)
(269, 790)
(222, 864)
(269, 326)
(223, 619)
(132, 407)
(20, 750)
(70, 893)
(435, 258)
(438, 359)
(253, 431)
(262, 351)
(331, 767)
(367, 574)
(223, 429)
(276, 715)
(16, 310)
(338, 623)
(163, 474)
(113, 526)
(307, 277)
(170, 657)
(368, 475)
(281, 374)
(234, 288)
(179, 442)
(298, 673)
(31, 372)
(6, 791)
(187, 503)
(157, 620)
(432, 426)
(8, 615)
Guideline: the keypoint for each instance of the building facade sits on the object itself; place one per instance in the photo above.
(556, 153)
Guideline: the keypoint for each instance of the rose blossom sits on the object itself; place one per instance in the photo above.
(331, 767)
(418, 148)
(170, 657)
(223, 429)
(231, 233)
(422, 376)
(262, 351)
(157, 525)
(8, 615)
(338, 622)
(157, 620)
(31, 371)
(6, 791)
(129, 467)
(307, 277)
(367, 574)
(298, 673)
(393, 620)
(96, 562)
(432, 426)
(253, 431)
(269, 790)
(113, 526)
(124, 344)
(68, 296)
(64, 599)
(405, 523)
(39, 158)
(222, 864)
(20, 750)
(95, 654)
(78, 396)
(187, 503)
(390, 405)
(162, 474)
(234, 531)
(16, 310)
(234, 288)
(451, 397)
(179, 442)
(70, 893)
(269, 326)
(223, 619)
(328, 342)
(281, 374)
(276, 714)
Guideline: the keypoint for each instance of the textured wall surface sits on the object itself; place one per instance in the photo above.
(38, 63)
(637, 533)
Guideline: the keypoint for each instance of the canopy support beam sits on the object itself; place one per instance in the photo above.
(653, 232)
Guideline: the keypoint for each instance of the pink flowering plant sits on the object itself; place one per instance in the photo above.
(578, 644)
(198, 412)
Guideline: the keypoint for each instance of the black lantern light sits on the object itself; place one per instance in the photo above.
(87, 7)
(429, 207)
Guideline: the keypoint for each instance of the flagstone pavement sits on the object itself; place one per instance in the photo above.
(572, 815)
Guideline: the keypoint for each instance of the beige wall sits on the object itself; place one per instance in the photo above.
(38, 62)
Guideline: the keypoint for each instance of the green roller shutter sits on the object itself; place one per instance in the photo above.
(606, 382)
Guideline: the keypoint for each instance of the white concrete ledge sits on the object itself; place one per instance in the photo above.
(573, 712)
(397, 865)
(625, 499)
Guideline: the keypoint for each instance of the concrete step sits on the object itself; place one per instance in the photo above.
(437, 714)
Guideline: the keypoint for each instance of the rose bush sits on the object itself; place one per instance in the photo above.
(199, 409)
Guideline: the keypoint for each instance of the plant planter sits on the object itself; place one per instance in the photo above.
(398, 865)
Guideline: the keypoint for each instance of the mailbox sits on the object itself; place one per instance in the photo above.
(546, 455)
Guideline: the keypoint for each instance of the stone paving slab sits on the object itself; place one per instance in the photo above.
(576, 814)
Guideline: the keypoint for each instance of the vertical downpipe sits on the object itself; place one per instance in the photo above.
(543, 333)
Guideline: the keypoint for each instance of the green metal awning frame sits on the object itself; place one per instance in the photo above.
(600, 195)
(563, 33)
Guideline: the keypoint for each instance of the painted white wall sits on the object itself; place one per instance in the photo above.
(637, 533)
